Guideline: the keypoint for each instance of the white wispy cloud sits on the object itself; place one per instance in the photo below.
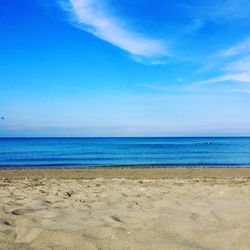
(243, 47)
(219, 12)
(238, 77)
(235, 71)
(241, 65)
(154, 87)
(93, 17)
(228, 10)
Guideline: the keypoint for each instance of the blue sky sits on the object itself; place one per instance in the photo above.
(125, 68)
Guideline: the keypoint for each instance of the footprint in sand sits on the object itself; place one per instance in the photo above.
(116, 219)
(194, 216)
(22, 211)
(7, 222)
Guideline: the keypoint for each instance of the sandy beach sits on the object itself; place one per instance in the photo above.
(125, 209)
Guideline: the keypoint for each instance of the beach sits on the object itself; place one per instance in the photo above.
(125, 208)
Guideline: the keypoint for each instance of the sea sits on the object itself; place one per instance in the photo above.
(125, 152)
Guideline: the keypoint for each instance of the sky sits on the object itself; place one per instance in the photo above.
(124, 68)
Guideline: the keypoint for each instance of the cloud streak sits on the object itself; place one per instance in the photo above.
(237, 77)
(228, 10)
(234, 71)
(243, 47)
(216, 12)
(93, 17)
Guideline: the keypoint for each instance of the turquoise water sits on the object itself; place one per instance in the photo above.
(90, 152)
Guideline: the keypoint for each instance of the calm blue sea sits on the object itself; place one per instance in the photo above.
(90, 152)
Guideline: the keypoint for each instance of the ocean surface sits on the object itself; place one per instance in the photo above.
(91, 152)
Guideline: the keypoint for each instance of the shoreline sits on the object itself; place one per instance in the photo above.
(126, 173)
(144, 166)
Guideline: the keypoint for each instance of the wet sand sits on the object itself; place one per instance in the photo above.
(125, 209)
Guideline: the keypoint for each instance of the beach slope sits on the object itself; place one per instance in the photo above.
(125, 209)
